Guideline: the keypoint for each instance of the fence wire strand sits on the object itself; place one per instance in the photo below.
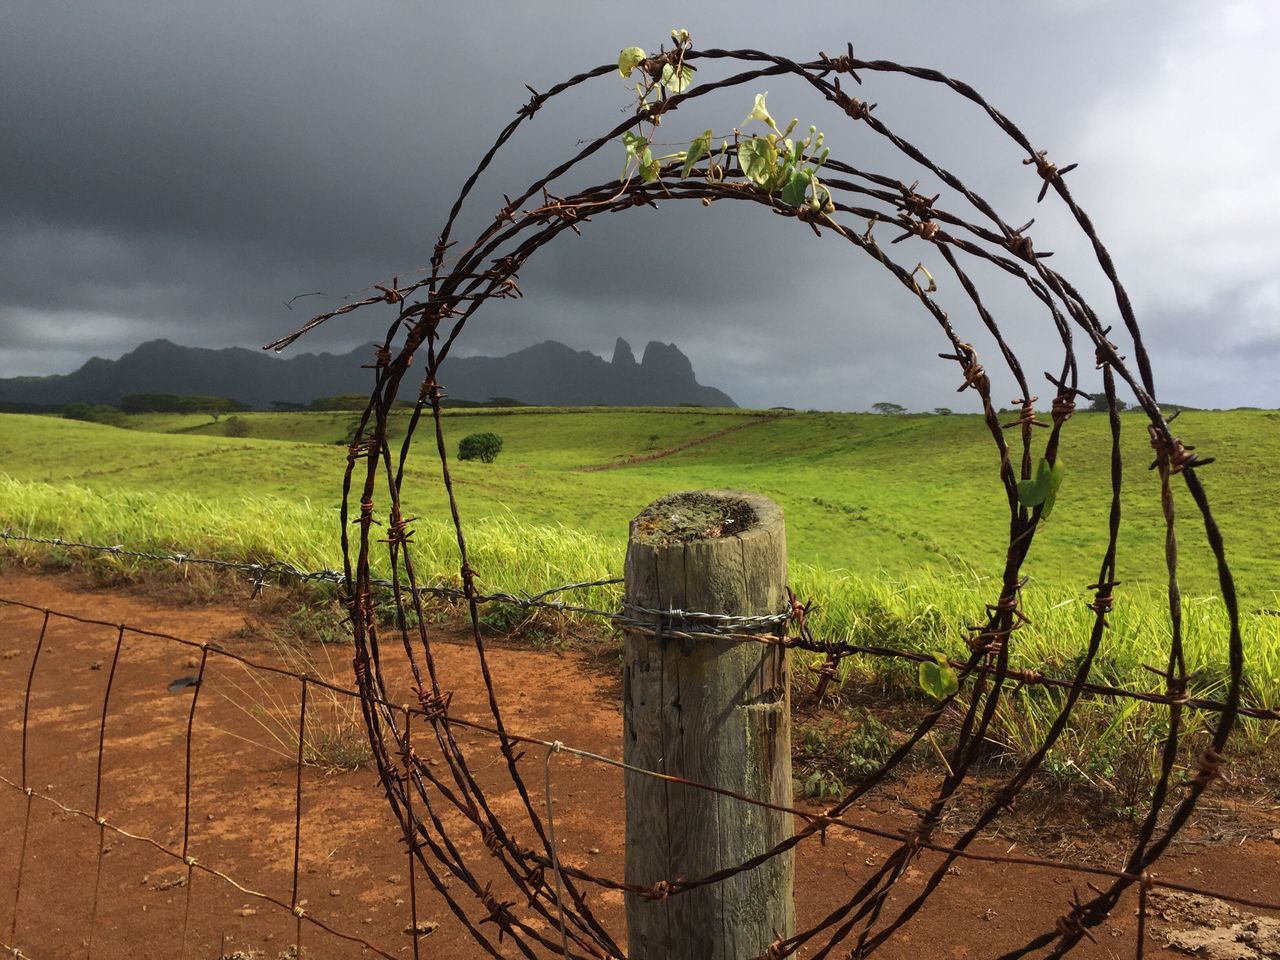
(816, 824)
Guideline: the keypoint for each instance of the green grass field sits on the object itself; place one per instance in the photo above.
(872, 495)
(896, 525)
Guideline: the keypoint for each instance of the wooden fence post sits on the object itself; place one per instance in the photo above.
(712, 710)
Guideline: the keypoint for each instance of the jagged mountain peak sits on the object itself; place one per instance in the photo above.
(547, 373)
(623, 357)
(665, 359)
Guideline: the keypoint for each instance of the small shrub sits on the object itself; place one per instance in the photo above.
(315, 624)
(480, 446)
(503, 617)
(335, 731)
(837, 752)
(237, 427)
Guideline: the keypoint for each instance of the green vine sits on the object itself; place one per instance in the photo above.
(774, 162)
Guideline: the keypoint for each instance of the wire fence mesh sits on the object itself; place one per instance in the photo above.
(107, 824)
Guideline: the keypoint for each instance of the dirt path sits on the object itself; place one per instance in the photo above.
(353, 865)
(696, 441)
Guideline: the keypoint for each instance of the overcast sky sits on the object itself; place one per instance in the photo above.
(181, 170)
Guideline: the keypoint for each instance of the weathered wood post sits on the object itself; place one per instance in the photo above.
(712, 710)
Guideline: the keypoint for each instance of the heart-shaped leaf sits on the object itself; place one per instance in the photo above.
(757, 157)
(636, 143)
(638, 147)
(677, 82)
(937, 678)
(1043, 490)
(628, 59)
(1032, 493)
(1055, 481)
(793, 193)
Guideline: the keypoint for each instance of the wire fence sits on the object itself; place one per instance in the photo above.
(675, 624)
(537, 904)
(816, 825)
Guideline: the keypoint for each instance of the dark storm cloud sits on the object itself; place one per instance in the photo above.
(183, 170)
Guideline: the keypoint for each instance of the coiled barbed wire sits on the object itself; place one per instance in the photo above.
(432, 313)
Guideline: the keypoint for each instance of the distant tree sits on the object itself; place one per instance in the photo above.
(480, 446)
(885, 407)
(237, 427)
(352, 428)
(491, 402)
(345, 401)
(180, 403)
(93, 413)
(1098, 403)
(943, 411)
(287, 405)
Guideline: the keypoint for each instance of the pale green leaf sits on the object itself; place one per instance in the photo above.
(758, 157)
(628, 59)
(649, 167)
(1032, 493)
(1055, 481)
(635, 143)
(937, 678)
(700, 148)
(677, 82)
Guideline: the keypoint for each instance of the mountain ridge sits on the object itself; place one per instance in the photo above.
(547, 373)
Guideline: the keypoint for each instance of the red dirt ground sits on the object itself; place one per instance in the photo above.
(353, 866)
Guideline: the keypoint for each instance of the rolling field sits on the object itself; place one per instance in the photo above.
(896, 530)
(868, 494)
(896, 525)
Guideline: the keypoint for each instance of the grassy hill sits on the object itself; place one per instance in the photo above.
(896, 528)
(874, 495)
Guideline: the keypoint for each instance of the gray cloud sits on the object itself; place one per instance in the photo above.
(182, 171)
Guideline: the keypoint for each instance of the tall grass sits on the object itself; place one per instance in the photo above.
(926, 613)
(1105, 742)
(335, 737)
(910, 493)
(510, 556)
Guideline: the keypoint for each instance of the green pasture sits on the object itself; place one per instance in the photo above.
(869, 494)
(897, 525)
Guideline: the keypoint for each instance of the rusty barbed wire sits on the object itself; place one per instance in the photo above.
(431, 313)
(488, 266)
(678, 624)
